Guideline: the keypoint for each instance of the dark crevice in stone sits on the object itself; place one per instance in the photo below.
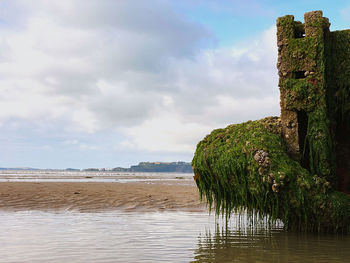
(343, 157)
(299, 30)
(299, 75)
(303, 141)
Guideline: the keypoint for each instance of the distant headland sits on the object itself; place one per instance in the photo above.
(173, 167)
(153, 167)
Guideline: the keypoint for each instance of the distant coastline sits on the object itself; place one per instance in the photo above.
(154, 167)
(176, 167)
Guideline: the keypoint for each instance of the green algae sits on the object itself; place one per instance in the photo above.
(338, 77)
(307, 149)
(308, 54)
(230, 179)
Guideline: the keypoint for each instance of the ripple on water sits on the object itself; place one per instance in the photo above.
(35, 236)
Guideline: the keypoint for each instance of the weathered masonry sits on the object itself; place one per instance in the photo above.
(314, 79)
(295, 168)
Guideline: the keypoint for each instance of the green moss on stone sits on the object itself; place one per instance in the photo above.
(249, 166)
(231, 179)
(338, 74)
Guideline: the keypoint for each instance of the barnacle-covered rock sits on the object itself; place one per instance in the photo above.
(290, 167)
(262, 158)
(232, 176)
(275, 187)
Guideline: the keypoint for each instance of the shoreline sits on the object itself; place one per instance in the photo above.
(100, 196)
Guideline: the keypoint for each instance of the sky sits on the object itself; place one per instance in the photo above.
(108, 83)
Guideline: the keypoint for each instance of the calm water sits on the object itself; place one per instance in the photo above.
(110, 177)
(35, 236)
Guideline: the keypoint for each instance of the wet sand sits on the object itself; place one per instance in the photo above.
(95, 197)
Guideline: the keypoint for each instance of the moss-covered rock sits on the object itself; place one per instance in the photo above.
(245, 167)
(290, 168)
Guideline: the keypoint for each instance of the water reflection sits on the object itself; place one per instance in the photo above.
(35, 236)
(232, 243)
(84, 176)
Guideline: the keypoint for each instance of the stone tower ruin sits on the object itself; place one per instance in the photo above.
(314, 80)
(295, 168)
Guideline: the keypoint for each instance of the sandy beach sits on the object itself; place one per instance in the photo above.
(94, 197)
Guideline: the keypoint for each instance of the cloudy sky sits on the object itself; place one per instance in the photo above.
(106, 83)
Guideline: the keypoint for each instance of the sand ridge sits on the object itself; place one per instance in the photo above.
(95, 196)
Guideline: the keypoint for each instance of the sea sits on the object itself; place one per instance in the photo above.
(167, 236)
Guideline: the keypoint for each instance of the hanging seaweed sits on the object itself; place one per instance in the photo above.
(245, 167)
(295, 168)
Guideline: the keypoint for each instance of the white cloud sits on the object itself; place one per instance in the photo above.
(127, 66)
(87, 147)
(218, 87)
(345, 13)
(56, 61)
(71, 142)
(164, 133)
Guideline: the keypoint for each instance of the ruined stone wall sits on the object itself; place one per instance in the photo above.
(301, 68)
(338, 85)
(245, 168)
(314, 80)
(290, 168)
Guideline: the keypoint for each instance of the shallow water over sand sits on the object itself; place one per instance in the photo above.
(34, 236)
(84, 176)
